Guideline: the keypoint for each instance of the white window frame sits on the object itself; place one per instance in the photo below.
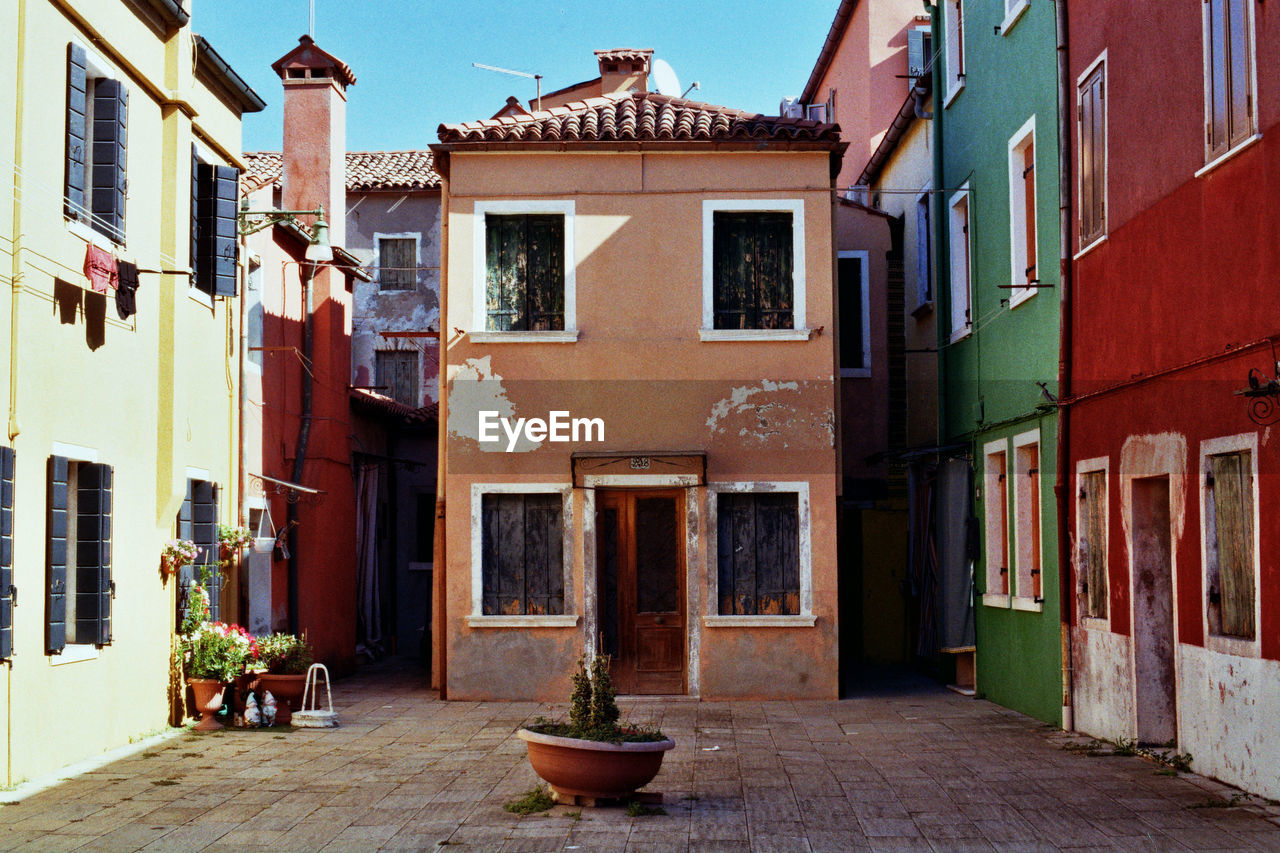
(1252, 33)
(1017, 214)
(712, 618)
(1023, 600)
(953, 58)
(478, 333)
(1100, 62)
(864, 289)
(477, 618)
(962, 237)
(96, 68)
(1097, 465)
(794, 206)
(1238, 646)
(924, 253)
(253, 303)
(416, 237)
(1013, 11)
(994, 531)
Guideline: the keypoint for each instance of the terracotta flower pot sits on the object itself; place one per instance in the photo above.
(208, 693)
(286, 688)
(589, 768)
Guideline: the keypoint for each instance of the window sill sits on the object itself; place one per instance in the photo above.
(1234, 646)
(1095, 623)
(755, 334)
(951, 95)
(200, 297)
(566, 337)
(568, 621)
(995, 599)
(89, 235)
(855, 373)
(1028, 605)
(1222, 158)
(1015, 15)
(75, 653)
(923, 310)
(960, 335)
(801, 621)
(1020, 295)
(1097, 241)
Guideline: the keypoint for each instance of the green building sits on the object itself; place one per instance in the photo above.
(996, 244)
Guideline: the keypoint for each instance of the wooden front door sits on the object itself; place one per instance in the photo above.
(641, 588)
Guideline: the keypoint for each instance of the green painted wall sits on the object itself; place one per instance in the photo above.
(989, 388)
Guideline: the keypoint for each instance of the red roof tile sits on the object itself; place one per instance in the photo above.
(625, 54)
(639, 116)
(366, 170)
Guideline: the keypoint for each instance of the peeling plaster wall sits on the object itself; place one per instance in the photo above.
(1103, 664)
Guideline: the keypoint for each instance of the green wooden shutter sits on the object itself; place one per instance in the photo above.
(77, 108)
(110, 136)
(56, 556)
(544, 272)
(93, 554)
(504, 270)
(6, 552)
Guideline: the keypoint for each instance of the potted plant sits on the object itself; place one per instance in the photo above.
(176, 554)
(593, 755)
(286, 658)
(231, 539)
(213, 654)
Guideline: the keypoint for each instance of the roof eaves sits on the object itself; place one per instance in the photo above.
(897, 130)
(829, 47)
(211, 62)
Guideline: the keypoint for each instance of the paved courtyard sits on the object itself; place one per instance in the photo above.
(907, 766)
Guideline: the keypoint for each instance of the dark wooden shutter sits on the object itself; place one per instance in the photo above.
(77, 133)
(777, 554)
(217, 249)
(522, 563)
(752, 270)
(6, 552)
(110, 136)
(93, 587)
(502, 272)
(397, 263)
(1093, 545)
(204, 530)
(544, 271)
(1233, 509)
(195, 217)
(56, 556)
(524, 272)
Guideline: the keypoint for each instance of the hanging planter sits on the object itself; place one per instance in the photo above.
(176, 554)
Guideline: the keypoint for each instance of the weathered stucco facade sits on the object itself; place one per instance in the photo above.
(693, 418)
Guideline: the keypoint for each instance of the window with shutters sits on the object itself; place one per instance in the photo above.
(396, 375)
(1013, 10)
(961, 319)
(198, 522)
(1022, 213)
(761, 547)
(1230, 117)
(97, 116)
(919, 55)
(953, 48)
(1028, 587)
(525, 273)
(1229, 503)
(80, 588)
(397, 261)
(995, 495)
(855, 320)
(520, 556)
(8, 591)
(924, 257)
(215, 246)
(753, 270)
(1091, 540)
(1091, 128)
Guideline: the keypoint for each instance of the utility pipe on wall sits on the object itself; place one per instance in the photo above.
(308, 272)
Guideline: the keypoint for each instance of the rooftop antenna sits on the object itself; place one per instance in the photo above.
(311, 19)
(694, 85)
(536, 77)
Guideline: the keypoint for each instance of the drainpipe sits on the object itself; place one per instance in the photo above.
(308, 272)
(1062, 488)
(439, 591)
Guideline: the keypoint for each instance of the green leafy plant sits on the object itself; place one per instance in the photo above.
(635, 808)
(284, 654)
(536, 799)
(234, 538)
(217, 650)
(593, 709)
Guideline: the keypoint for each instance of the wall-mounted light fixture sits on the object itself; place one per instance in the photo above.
(1263, 393)
(252, 221)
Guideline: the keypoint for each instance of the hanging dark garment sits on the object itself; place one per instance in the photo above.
(126, 289)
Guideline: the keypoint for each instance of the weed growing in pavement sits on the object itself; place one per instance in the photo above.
(150, 755)
(1124, 746)
(574, 815)
(536, 799)
(1238, 798)
(635, 808)
(163, 782)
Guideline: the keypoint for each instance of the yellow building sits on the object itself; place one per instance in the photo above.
(122, 153)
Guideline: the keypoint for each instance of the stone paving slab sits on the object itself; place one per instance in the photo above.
(906, 766)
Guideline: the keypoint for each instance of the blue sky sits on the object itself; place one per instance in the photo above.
(412, 58)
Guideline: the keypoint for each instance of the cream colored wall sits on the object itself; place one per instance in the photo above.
(762, 411)
(152, 396)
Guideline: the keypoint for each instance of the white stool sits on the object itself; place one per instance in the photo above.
(310, 717)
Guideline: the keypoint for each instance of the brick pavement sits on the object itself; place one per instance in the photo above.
(908, 766)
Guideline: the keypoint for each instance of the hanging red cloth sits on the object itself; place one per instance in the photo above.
(100, 268)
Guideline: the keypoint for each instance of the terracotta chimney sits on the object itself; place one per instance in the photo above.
(624, 69)
(315, 133)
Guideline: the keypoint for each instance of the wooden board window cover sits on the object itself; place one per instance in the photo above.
(522, 564)
(1093, 543)
(1229, 518)
(524, 272)
(758, 553)
(752, 261)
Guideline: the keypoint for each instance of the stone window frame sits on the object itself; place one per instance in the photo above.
(1228, 645)
(416, 237)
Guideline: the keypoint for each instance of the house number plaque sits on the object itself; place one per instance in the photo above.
(639, 463)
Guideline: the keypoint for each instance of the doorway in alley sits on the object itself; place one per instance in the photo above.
(1154, 633)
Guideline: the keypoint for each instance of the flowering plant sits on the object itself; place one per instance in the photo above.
(234, 538)
(197, 611)
(217, 650)
(284, 654)
(179, 552)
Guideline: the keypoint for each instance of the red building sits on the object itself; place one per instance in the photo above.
(1173, 499)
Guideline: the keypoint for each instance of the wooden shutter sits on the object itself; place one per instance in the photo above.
(195, 217)
(1239, 74)
(543, 554)
(1093, 174)
(6, 552)
(204, 530)
(1233, 509)
(522, 564)
(77, 133)
(93, 589)
(924, 271)
(752, 269)
(397, 263)
(1029, 202)
(544, 283)
(217, 248)
(396, 372)
(1093, 544)
(503, 273)
(108, 175)
(59, 468)
(757, 552)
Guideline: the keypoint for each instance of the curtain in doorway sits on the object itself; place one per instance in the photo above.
(369, 609)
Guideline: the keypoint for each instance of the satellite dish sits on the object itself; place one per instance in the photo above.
(665, 79)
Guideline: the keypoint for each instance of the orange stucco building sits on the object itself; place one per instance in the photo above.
(641, 452)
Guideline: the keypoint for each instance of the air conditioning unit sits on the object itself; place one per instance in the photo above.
(791, 108)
